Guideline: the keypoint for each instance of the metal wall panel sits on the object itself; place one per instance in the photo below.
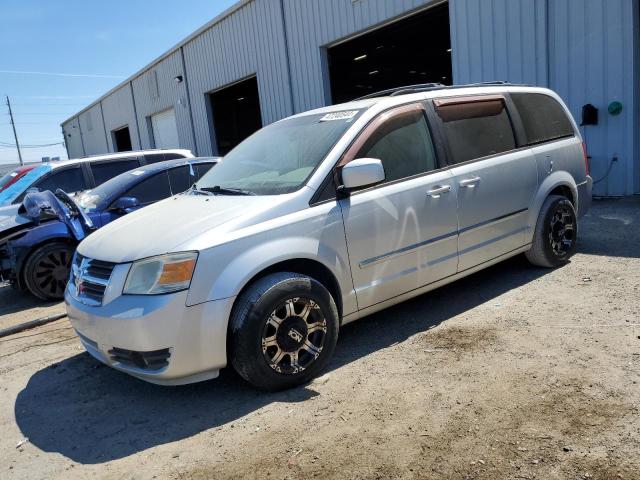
(118, 111)
(73, 139)
(499, 40)
(313, 24)
(248, 42)
(169, 94)
(92, 128)
(591, 61)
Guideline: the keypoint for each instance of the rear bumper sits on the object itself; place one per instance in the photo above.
(584, 196)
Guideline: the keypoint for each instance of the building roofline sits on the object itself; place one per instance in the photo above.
(217, 19)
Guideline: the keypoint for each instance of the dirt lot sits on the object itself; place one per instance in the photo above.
(513, 373)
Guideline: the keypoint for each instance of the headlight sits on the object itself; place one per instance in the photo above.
(161, 274)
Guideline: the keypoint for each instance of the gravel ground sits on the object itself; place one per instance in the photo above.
(512, 373)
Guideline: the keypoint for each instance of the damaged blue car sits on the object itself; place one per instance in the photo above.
(37, 244)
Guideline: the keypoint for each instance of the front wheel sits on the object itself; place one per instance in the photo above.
(554, 241)
(46, 270)
(284, 329)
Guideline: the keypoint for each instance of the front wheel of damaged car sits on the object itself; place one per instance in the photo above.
(46, 270)
(283, 330)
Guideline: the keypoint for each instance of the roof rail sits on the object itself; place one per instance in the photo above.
(428, 87)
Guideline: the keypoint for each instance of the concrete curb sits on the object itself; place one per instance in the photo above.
(31, 324)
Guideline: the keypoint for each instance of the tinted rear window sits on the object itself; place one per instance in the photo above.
(173, 156)
(154, 157)
(542, 116)
(477, 129)
(107, 170)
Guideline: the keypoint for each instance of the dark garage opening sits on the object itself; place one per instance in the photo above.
(416, 49)
(122, 139)
(236, 113)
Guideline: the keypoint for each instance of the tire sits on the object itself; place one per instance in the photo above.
(46, 270)
(554, 241)
(271, 324)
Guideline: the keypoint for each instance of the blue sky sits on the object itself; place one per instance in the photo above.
(101, 42)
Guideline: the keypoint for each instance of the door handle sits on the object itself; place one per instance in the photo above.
(470, 182)
(437, 191)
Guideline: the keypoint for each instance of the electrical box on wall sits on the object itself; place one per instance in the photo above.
(589, 115)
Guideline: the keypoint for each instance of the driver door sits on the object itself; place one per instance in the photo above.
(401, 234)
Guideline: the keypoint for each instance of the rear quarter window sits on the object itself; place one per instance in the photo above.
(543, 118)
(104, 171)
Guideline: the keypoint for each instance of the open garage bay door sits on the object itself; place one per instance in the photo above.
(165, 130)
(413, 50)
(236, 113)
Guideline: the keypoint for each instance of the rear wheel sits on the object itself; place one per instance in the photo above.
(47, 269)
(284, 329)
(554, 240)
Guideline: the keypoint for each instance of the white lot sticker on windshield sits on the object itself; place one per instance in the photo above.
(348, 115)
(137, 172)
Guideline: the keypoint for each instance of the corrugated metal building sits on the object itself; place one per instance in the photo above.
(262, 60)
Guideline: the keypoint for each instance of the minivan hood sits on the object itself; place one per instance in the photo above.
(164, 226)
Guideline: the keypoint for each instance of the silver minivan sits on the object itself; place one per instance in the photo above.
(325, 217)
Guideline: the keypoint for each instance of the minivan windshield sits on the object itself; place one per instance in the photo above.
(279, 158)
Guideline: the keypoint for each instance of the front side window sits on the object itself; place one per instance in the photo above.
(152, 189)
(281, 157)
(70, 180)
(104, 171)
(476, 129)
(404, 146)
(543, 118)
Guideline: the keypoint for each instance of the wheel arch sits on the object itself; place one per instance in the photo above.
(558, 183)
(303, 266)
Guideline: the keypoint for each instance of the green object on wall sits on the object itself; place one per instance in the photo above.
(615, 108)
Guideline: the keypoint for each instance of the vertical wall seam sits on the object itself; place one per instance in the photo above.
(287, 57)
(186, 86)
(104, 126)
(135, 114)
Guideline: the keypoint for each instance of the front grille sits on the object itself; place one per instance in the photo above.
(90, 278)
(154, 360)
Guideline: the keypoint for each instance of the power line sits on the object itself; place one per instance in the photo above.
(44, 113)
(56, 74)
(12, 145)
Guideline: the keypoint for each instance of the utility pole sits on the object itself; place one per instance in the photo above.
(15, 135)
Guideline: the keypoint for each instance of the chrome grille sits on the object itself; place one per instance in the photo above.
(89, 279)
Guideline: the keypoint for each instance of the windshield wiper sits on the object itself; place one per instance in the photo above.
(218, 190)
(197, 191)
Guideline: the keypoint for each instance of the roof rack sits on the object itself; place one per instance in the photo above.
(428, 87)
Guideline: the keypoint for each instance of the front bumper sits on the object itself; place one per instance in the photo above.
(585, 190)
(192, 339)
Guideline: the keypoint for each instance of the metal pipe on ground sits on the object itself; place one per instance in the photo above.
(31, 324)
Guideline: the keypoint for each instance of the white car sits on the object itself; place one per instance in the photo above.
(77, 175)
(325, 217)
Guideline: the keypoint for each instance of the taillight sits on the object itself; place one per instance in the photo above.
(586, 157)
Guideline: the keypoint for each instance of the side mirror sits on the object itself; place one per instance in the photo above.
(126, 204)
(362, 172)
